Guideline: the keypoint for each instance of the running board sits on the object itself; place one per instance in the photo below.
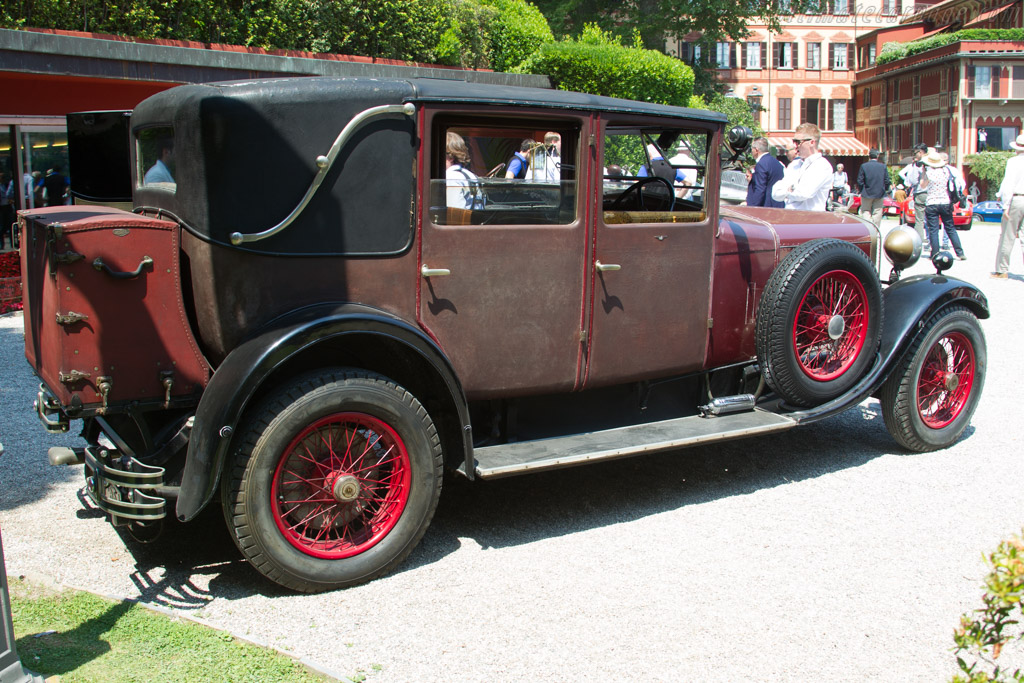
(493, 462)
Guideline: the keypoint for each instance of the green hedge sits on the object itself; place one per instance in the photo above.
(597, 64)
(894, 51)
(469, 33)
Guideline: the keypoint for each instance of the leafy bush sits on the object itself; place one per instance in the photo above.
(895, 51)
(597, 63)
(989, 167)
(517, 32)
(985, 632)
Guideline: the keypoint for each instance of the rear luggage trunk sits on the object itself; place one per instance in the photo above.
(105, 323)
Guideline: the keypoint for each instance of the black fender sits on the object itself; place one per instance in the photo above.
(908, 305)
(240, 375)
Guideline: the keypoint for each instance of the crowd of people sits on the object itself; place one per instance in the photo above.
(49, 189)
(800, 177)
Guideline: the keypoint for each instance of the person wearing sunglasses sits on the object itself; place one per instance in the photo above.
(807, 181)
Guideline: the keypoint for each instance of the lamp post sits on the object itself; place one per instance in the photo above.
(754, 100)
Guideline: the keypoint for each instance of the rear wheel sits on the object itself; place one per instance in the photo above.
(929, 399)
(819, 322)
(335, 481)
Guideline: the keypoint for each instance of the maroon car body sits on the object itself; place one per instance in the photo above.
(310, 315)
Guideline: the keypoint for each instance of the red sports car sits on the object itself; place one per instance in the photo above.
(962, 217)
(890, 207)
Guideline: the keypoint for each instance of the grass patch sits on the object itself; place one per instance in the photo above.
(95, 639)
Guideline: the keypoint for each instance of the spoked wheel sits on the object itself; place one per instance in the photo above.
(830, 325)
(932, 393)
(819, 322)
(335, 481)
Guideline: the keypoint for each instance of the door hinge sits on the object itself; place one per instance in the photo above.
(70, 318)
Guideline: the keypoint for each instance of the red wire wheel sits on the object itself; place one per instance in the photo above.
(341, 485)
(831, 325)
(946, 380)
(819, 322)
(932, 392)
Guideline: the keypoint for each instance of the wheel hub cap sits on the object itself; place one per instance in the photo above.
(952, 381)
(345, 489)
(836, 327)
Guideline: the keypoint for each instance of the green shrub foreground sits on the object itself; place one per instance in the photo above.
(984, 633)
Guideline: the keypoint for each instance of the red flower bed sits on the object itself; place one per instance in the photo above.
(10, 282)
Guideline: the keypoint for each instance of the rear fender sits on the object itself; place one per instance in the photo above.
(238, 379)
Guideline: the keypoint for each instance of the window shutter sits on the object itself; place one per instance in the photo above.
(831, 55)
(821, 111)
(743, 55)
(803, 110)
(795, 50)
(851, 53)
(764, 55)
(831, 115)
(732, 55)
(684, 52)
(996, 72)
(970, 81)
(849, 115)
(899, 7)
(776, 49)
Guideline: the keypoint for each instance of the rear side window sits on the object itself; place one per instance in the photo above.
(508, 173)
(155, 158)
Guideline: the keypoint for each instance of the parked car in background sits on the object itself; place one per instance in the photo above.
(989, 211)
(962, 217)
(313, 346)
(734, 187)
(890, 207)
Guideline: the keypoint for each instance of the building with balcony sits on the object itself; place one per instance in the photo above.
(961, 96)
(804, 73)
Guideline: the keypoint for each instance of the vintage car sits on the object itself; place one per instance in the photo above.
(963, 216)
(311, 315)
(989, 211)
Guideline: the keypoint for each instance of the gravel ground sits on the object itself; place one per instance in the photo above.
(825, 553)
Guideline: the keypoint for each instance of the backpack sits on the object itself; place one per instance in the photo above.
(474, 188)
(956, 195)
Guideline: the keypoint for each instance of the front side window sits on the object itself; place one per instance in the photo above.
(982, 81)
(654, 174)
(154, 154)
(814, 56)
(871, 54)
(509, 173)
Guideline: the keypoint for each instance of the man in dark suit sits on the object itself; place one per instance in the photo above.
(767, 171)
(874, 183)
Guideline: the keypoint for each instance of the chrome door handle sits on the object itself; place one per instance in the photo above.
(602, 267)
(426, 271)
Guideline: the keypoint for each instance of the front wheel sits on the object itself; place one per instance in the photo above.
(335, 480)
(932, 393)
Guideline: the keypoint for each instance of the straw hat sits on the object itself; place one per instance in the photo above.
(1019, 143)
(934, 159)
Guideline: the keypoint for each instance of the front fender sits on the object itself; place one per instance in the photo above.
(246, 367)
(908, 306)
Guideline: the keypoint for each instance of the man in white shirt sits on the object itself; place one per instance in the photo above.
(1011, 194)
(807, 181)
(911, 174)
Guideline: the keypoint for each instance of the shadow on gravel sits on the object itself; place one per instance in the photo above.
(172, 570)
(25, 474)
(517, 510)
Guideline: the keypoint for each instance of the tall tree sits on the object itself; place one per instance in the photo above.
(655, 20)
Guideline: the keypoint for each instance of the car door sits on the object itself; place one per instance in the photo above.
(503, 275)
(652, 255)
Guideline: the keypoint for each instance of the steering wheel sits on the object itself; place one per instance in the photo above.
(638, 185)
(493, 171)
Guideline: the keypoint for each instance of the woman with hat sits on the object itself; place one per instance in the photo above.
(935, 179)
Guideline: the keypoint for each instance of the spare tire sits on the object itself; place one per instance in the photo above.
(819, 322)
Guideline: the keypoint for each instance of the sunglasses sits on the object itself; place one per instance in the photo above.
(798, 141)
